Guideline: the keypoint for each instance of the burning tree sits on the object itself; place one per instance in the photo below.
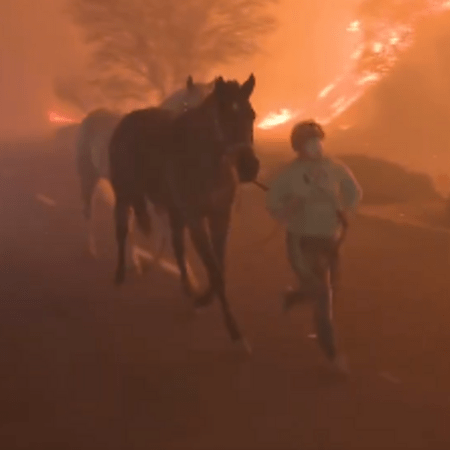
(150, 46)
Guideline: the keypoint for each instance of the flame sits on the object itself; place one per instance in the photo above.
(369, 78)
(277, 118)
(327, 90)
(56, 118)
(370, 62)
(354, 27)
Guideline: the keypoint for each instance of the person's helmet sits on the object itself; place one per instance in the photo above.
(304, 131)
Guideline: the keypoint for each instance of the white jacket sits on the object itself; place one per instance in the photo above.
(324, 185)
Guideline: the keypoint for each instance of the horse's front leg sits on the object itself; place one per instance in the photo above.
(88, 186)
(219, 226)
(218, 223)
(177, 232)
(206, 252)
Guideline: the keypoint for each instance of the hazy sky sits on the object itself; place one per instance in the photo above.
(37, 43)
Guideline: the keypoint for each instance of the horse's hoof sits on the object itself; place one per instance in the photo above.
(244, 345)
(203, 301)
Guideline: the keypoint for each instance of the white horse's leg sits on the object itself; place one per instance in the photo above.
(103, 192)
(133, 254)
(90, 224)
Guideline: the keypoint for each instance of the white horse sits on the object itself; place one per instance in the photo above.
(93, 167)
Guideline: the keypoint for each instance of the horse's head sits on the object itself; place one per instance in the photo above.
(234, 121)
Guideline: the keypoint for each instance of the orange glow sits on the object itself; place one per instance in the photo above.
(371, 60)
(370, 77)
(274, 119)
(327, 90)
(354, 27)
(377, 47)
(56, 118)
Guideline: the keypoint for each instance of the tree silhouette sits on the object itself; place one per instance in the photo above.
(77, 92)
(151, 46)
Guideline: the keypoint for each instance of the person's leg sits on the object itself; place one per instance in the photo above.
(294, 296)
(334, 269)
(317, 255)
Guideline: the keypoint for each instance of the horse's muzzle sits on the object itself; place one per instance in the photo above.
(247, 166)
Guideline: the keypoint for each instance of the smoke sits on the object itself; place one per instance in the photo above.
(309, 52)
(37, 43)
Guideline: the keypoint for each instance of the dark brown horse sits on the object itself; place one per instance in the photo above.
(94, 134)
(189, 166)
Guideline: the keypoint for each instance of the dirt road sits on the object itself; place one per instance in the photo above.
(88, 366)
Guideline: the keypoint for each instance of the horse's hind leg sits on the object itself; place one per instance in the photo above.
(121, 219)
(177, 231)
(88, 185)
(203, 246)
(219, 225)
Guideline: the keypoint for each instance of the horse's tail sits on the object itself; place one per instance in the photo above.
(141, 213)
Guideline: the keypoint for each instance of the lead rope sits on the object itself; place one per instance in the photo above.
(238, 201)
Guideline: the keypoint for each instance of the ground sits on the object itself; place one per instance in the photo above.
(88, 366)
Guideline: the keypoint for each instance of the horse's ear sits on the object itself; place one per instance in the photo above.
(248, 86)
(189, 83)
(219, 86)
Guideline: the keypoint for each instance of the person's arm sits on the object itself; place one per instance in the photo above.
(351, 192)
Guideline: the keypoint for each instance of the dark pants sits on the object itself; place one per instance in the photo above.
(315, 260)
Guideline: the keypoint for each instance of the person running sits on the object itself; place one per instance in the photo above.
(314, 196)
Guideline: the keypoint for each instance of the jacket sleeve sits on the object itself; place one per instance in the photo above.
(351, 192)
(278, 194)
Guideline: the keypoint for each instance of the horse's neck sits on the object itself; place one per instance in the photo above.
(203, 116)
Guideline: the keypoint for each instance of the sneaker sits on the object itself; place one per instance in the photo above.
(291, 298)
